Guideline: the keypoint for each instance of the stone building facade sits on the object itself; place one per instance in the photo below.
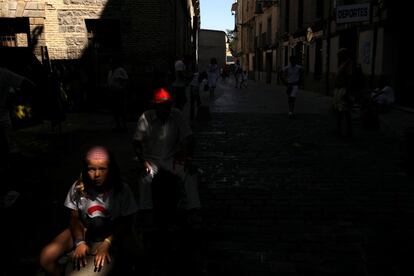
(314, 31)
(148, 34)
(257, 38)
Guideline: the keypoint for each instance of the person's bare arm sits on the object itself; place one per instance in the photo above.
(138, 149)
(121, 226)
(78, 233)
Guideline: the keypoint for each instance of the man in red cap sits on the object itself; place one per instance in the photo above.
(163, 141)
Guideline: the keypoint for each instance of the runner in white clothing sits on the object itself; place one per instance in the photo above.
(292, 74)
(163, 141)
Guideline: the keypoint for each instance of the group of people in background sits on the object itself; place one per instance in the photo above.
(102, 205)
(349, 92)
(240, 75)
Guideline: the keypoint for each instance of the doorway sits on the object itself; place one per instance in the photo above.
(269, 67)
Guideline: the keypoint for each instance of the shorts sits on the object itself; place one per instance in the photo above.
(292, 90)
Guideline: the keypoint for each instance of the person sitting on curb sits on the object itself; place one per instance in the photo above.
(101, 210)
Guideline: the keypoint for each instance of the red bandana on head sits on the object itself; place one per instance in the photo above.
(97, 153)
(161, 95)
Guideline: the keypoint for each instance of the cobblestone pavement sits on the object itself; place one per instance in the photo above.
(280, 196)
(288, 197)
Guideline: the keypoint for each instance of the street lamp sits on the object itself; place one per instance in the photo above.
(266, 3)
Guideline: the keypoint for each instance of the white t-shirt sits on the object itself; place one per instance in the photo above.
(194, 82)
(293, 73)
(387, 96)
(160, 139)
(179, 74)
(213, 74)
(105, 205)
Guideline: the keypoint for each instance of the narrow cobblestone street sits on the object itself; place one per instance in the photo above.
(280, 196)
(288, 197)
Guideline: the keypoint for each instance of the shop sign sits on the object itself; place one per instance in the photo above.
(352, 13)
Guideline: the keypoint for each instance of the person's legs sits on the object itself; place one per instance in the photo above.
(339, 122)
(197, 98)
(123, 111)
(192, 102)
(180, 97)
(53, 251)
(340, 117)
(212, 88)
(291, 104)
(348, 119)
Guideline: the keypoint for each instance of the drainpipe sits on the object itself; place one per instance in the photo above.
(328, 49)
(374, 44)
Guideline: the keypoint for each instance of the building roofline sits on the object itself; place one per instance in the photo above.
(212, 30)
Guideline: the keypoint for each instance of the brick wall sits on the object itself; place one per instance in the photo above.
(152, 32)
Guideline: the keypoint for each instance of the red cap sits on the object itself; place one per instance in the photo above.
(161, 95)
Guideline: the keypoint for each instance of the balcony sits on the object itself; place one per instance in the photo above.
(260, 4)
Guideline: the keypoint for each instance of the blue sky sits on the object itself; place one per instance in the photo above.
(216, 14)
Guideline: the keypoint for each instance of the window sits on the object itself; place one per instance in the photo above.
(14, 32)
(269, 31)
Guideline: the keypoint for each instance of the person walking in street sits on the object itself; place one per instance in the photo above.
(179, 84)
(101, 213)
(293, 76)
(213, 72)
(244, 79)
(238, 72)
(224, 72)
(117, 84)
(342, 98)
(195, 92)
